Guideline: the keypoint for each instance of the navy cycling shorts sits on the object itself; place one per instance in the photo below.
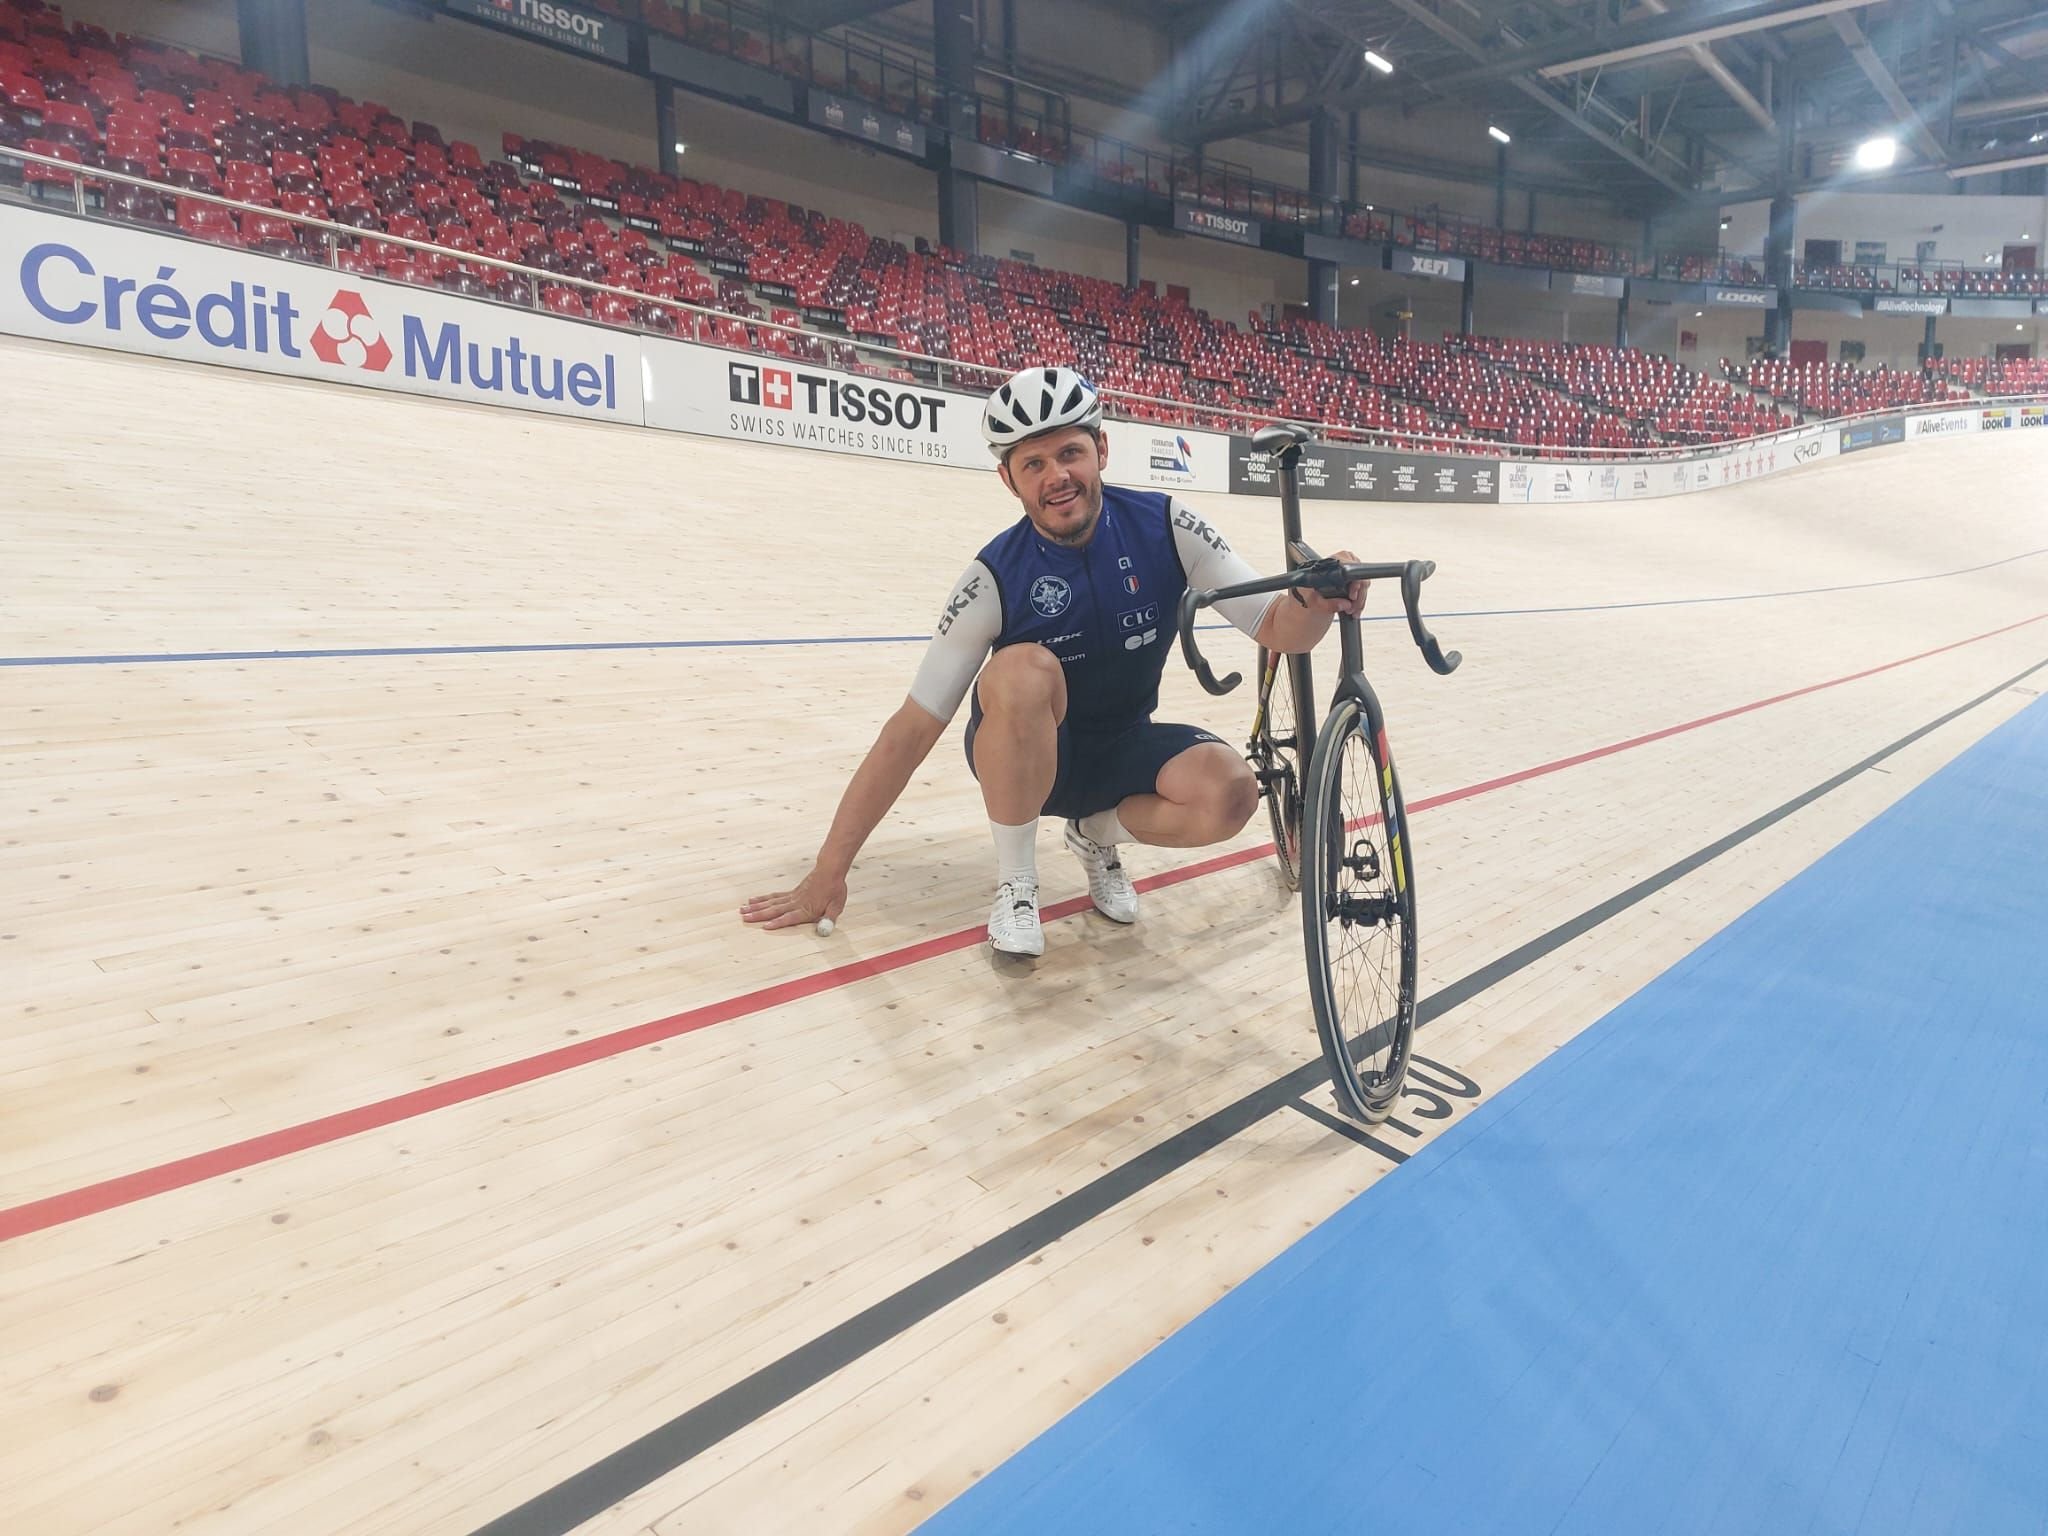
(1099, 770)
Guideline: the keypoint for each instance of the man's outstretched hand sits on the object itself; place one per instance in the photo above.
(816, 895)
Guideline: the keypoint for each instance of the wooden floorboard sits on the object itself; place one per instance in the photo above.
(245, 895)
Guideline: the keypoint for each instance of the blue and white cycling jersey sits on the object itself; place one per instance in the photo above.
(1105, 610)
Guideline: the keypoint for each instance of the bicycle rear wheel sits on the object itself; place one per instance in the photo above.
(1275, 757)
(1358, 915)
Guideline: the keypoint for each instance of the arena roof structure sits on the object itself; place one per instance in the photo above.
(1655, 101)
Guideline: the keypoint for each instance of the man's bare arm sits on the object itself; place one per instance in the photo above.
(906, 740)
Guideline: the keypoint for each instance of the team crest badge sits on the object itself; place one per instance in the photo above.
(1050, 596)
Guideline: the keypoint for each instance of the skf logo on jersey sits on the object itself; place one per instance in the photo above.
(957, 603)
(1183, 518)
(1050, 596)
(348, 335)
(814, 394)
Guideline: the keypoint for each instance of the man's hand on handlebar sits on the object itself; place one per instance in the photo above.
(1352, 602)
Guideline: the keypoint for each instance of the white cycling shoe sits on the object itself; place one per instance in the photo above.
(1013, 925)
(1109, 887)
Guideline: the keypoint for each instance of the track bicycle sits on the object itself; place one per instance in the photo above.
(1354, 858)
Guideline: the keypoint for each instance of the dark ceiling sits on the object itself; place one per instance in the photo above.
(1646, 101)
(1694, 98)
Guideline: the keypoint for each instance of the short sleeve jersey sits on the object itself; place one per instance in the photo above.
(1106, 610)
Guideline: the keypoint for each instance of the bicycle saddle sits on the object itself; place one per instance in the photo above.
(1279, 437)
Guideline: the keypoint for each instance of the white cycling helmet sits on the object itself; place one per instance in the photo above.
(1036, 400)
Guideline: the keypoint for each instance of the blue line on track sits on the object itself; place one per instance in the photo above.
(1760, 1253)
(352, 653)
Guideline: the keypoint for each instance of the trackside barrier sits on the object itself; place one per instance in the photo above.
(84, 280)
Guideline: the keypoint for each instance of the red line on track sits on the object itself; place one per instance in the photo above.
(127, 1189)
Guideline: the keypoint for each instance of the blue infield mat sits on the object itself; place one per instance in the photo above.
(1764, 1250)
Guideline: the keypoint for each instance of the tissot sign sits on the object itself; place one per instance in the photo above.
(1196, 220)
(567, 26)
(697, 390)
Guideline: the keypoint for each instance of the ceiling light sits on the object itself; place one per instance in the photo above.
(1354, 282)
(1875, 154)
(1497, 134)
(1378, 63)
(2032, 138)
(1699, 314)
(681, 147)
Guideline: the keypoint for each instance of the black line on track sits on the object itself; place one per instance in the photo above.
(1347, 1130)
(585, 1495)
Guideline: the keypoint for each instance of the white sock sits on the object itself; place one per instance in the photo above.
(1104, 828)
(1016, 851)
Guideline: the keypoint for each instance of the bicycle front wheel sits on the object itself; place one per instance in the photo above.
(1358, 914)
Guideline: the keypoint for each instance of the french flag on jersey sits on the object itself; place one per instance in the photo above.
(1130, 583)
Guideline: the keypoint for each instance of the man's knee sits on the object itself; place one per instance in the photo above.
(1237, 797)
(1022, 678)
(1217, 785)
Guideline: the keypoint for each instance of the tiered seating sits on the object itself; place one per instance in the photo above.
(1468, 393)
(1662, 396)
(1836, 389)
(205, 125)
(2003, 376)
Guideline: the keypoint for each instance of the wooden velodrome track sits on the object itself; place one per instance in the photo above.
(308, 1229)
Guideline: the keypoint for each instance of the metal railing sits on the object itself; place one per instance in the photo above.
(1942, 279)
(974, 377)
